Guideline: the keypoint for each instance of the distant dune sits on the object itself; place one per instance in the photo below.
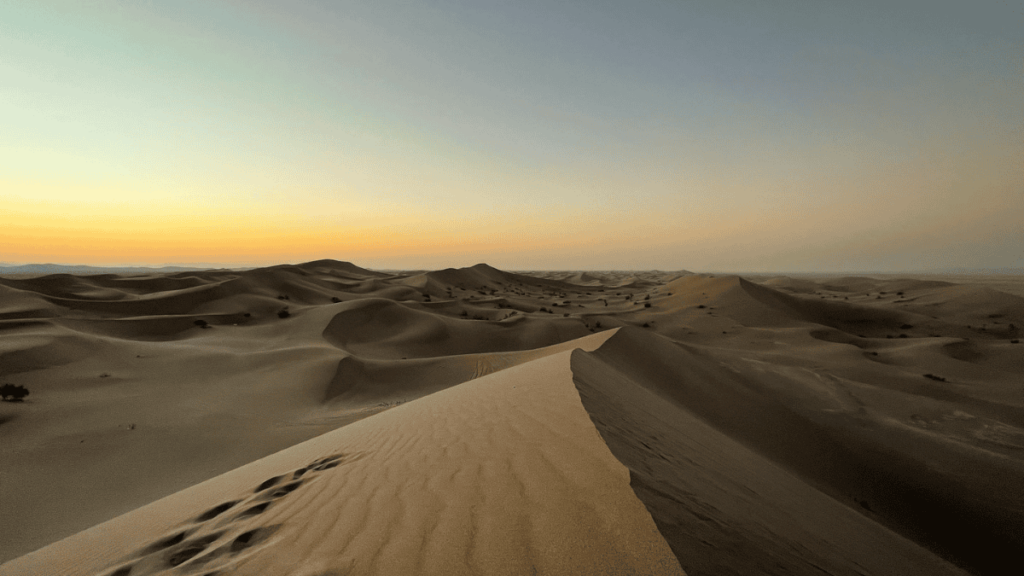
(324, 419)
(37, 269)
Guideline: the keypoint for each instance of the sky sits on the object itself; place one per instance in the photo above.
(579, 134)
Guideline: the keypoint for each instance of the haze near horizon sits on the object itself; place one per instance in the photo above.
(587, 135)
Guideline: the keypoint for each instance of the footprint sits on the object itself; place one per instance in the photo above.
(268, 483)
(319, 465)
(254, 510)
(164, 543)
(286, 489)
(251, 538)
(327, 459)
(327, 465)
(216, 511)
(190, 549)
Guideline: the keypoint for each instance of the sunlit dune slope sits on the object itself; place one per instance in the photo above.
(502, 475)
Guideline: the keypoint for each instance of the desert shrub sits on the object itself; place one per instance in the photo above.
(701, 306)
(202, 323)
(648, 297)
(647, 324)
(335, 299)
(465, 314)
(934, 377)
(284, 313)
(283, 297)
(647, 304)
(13, 393)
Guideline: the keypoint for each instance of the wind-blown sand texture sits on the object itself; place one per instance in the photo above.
(333, 420)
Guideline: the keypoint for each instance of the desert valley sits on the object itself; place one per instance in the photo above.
(323, 419)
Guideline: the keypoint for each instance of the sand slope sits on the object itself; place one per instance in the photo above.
(504, 475)
(709, 458)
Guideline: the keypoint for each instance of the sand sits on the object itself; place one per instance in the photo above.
(480, 421)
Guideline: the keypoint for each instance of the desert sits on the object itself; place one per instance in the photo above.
(323, 418)
(478, 287)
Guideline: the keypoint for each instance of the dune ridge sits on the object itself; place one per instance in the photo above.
(509, 477)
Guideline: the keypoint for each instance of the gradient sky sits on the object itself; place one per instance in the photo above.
(709, 135)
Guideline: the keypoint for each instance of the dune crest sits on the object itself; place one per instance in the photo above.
(502, 475)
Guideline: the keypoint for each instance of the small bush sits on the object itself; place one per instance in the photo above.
(202, 323)
(934, 377)
(701, 306)
(284, 313)
(647, 304)
(335, 299)
(13, 393)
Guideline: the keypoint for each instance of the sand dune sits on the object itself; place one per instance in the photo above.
(510, 477)
(493, 422)
(841, 438)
